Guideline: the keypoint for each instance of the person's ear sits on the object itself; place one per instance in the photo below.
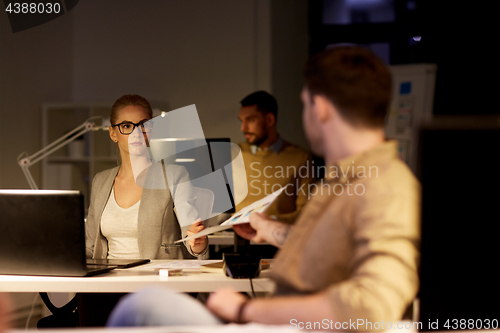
(112, 134)
(270, 119)
(321, 107)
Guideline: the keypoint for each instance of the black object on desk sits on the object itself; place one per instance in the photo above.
(241, 245)
(242, 265)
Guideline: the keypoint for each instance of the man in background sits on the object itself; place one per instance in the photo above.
(270, 161)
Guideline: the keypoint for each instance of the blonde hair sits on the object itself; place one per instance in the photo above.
(129, 100)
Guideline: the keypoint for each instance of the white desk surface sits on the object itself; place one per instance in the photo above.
(133, 279)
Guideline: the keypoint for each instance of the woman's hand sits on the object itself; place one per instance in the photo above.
(197, 244)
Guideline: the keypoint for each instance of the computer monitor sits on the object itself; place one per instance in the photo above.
(201, 158)
(460, 174)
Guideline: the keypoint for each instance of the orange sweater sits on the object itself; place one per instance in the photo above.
(267, 171)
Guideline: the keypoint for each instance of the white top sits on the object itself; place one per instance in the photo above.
(119, 226)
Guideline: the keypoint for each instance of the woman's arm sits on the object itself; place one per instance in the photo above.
(185, 198)
(90, 231)
(197, 244)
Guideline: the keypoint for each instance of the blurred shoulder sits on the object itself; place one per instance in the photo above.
(392, 179)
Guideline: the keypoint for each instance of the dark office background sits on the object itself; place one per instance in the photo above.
(460, 37)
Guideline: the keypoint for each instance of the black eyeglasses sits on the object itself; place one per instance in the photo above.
(127, 127)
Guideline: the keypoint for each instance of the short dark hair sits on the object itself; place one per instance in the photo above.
(355, 80)
(265, 102)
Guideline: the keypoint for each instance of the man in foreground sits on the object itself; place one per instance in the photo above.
(350, 260)
(5, 313)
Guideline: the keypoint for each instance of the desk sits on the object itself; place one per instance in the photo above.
(131, 280)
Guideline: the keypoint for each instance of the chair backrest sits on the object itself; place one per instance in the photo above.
(204, 202)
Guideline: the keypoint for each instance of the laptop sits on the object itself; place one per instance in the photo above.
(42, 232)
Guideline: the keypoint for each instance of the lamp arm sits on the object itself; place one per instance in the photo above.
(87, 126)
(26, 161)
(52, 147)
(29, 177)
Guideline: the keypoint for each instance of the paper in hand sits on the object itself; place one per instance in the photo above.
(240, 217)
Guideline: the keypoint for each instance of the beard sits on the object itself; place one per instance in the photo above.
(257, 140)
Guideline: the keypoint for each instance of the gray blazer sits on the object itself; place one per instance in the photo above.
(157, 222)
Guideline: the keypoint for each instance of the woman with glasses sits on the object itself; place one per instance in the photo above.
(128, 220)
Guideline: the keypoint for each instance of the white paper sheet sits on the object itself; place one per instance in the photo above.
(240, 217)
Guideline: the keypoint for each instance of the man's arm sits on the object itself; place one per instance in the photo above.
(226, 304)
(264, 229)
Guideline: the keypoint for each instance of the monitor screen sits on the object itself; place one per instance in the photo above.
(202, 158)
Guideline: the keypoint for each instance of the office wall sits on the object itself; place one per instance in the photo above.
(35, 67)
(174, 53)
(289, 35)
(210, 53)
